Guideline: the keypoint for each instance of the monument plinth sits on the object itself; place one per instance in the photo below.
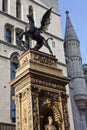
(40, 93)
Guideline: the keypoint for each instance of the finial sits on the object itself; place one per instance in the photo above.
(67, 12)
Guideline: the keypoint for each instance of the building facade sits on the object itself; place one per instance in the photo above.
(13, 19)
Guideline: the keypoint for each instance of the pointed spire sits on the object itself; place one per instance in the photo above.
(69, 32)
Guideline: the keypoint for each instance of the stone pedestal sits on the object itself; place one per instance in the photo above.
(40, 92)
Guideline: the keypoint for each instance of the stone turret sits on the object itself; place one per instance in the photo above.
(78, 91)
(85, 72)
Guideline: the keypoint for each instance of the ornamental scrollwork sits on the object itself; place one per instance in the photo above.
(45, 60)
(46, 84)
(17, 98)
(65, 110)
(25, 93)
(35, 113)
(25, 60)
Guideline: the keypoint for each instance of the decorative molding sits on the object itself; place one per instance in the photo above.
(17, 98)
(81, 97)
(25, 60)
(22, 83)
(46, 84)
(24, 115)
(44, 60)
(25, 93)
(30, 113)
(18, 103)
(35, 106)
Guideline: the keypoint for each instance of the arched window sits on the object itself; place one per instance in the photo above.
(14, 66)
(5, 5)
(18, 9)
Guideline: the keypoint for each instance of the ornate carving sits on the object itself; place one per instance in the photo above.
(17, 98)
(17, 120)
(25, 93)
(65, 111)
(23, 101)
(18, 102)
(47, 102)
(51, 100)
(46, 84)
(22, 83)
(24, 115)
(47, 105)
(25, 60)
(57, 115)
(29, 103)
(35, 113)
(44, 60)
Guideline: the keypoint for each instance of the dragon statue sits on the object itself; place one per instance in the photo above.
(35, 33)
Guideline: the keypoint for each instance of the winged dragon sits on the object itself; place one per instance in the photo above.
(35, 33)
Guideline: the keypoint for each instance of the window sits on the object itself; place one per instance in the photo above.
(8, 32)
(5, 5)
(18, 9)
(8, 35)
(14, 66)
(17, 38)
(13, 116)
(17, 35)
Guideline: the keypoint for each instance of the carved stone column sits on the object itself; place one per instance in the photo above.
(18, 111)
(26, 107)
(35, 106)
(23, 101)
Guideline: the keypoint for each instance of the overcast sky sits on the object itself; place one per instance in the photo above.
(78, 15)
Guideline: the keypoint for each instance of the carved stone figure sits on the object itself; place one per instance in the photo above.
(35, 33)
(49, 126)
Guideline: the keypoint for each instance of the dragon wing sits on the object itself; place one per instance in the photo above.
(45, 21)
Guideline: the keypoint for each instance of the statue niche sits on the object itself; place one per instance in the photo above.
(35, 33)
(50, 126)
(47, 119)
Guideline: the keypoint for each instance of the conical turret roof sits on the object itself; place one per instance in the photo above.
(69, 31)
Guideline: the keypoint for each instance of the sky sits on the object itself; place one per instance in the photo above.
(78, 15)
